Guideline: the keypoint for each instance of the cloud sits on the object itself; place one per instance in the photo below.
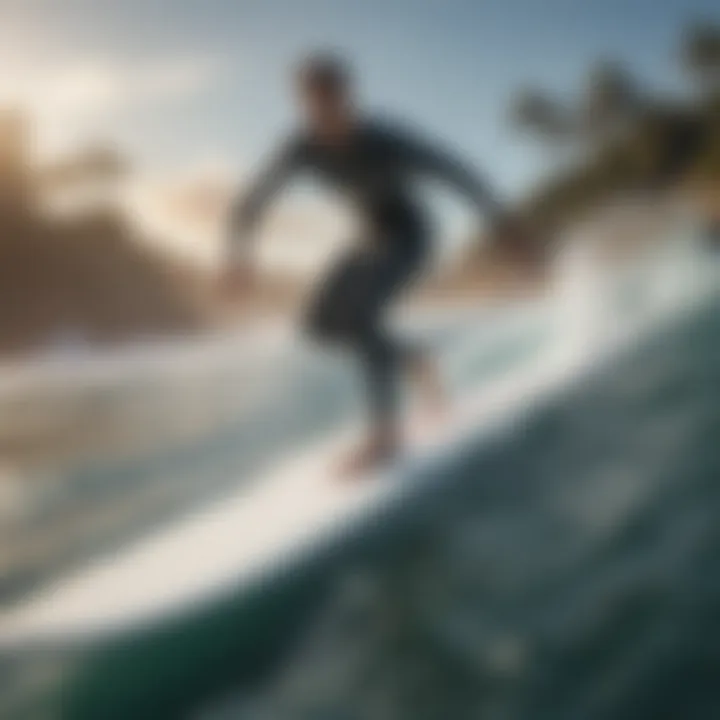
(69, 96)
(179, 77)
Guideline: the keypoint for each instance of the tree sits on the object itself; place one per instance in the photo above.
(611, 101)
(701, 55)
(541, 115)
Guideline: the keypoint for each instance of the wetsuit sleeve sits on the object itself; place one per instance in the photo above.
(433, 160)
(250, 206)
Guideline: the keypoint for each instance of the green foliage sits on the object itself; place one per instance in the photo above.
(628, 138)
(611, 98)
(700, 53)
(541, 115)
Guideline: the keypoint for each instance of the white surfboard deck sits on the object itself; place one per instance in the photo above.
(281, 517)
(292, 512)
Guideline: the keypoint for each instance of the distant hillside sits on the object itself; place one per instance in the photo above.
(88, 280)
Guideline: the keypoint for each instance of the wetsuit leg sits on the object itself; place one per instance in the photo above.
(349, 309)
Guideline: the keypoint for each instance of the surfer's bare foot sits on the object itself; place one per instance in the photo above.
(425, 376)
(377, 450)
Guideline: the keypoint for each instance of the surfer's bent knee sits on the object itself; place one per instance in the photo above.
(322, 324)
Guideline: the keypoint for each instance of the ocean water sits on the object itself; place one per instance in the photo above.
(573, 572)
(569, 570)
(247, 405)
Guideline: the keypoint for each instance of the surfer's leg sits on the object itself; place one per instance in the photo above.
(349, 310)
(331, 314)
(344, 313)
(381, 358)
(383, 355)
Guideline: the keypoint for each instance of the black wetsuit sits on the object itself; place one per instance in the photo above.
(375, 171)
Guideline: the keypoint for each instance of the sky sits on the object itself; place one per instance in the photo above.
(196, 91)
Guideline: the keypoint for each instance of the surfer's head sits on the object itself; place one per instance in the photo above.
(325, 88)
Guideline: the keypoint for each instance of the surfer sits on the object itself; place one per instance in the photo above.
(373, 163)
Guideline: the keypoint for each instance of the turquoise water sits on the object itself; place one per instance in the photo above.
(572, 572)
(295, 397)
(568, 570)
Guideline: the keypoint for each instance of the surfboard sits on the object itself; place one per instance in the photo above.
(296, 510)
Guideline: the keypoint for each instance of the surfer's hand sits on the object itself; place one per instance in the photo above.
(237, 280)
(518, 243)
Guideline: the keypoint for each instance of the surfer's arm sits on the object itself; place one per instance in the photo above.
(248, 209)
(430, 158)
(504, 228)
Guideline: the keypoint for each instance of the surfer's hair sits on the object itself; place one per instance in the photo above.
(324, 71)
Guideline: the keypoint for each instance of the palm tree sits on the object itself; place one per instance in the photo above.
(701, 55)
(541, 115)
(611, 101)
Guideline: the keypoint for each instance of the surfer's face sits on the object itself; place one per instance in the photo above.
(327, 107)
